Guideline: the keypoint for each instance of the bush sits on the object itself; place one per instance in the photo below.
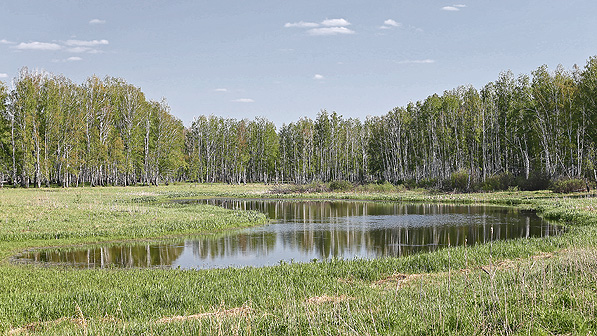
(340, 186)
(459, 181)
(429, 183)
(498, 182)
(536, 181)
(569, 185)
(313, 187)
(385, 187)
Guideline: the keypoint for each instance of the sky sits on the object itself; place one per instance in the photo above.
(283, 59)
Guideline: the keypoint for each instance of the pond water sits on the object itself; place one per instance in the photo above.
(303, 231)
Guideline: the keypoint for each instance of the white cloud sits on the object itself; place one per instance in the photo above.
(335, 23)
(452, 8)
(390, 22)
(78, 49)
(38, 46)
(318, 77)
(81, 43)
(221, 90)
(97, 21)
(330, 31)
(73, 59)
(460, 6)
(244, 100)
(301, 24)
(3, 75)
(3, 41)
(424, 61)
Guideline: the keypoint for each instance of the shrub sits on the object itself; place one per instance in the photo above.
(569, 185)
(429, 183)
(340, 186)
(313, 187)
(459, 181)
(537, 181)
(501, 181)
(385, 187)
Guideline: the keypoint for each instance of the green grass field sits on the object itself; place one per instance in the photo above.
(533, 286)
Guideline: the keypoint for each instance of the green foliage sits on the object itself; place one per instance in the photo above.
(340, 186)
(537, 181)
(459, 181)
(515, 131)
(499, 182)
(569, 185)
(101, 132)
(385, 187)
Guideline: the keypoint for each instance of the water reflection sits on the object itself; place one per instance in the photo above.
(307, 230)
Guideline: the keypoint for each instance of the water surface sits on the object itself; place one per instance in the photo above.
(303, 231)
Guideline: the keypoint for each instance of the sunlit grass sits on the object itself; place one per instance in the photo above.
(498, 288)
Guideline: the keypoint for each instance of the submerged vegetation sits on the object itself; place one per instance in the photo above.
(523, 132)
(536, 286)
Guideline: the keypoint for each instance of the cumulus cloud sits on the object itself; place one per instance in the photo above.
(81, 43)
(390, 22)
(301, 24)
(38, 46)
(97, 21)
(3, 75)
(3, 41)
(335, 23)
(73, 59)
(318, 77)
(244, 100)
(326, 27)
(423, 61)
(330, 31)
(221, 90)
(453, 8)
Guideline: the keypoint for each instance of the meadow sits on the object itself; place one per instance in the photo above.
(524, 286)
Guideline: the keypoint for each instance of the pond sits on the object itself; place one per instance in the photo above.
(303, 231)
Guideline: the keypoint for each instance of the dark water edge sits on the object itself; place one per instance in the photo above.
(316, 230)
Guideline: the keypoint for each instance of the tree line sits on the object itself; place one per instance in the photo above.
(102, 132)
(517, 130)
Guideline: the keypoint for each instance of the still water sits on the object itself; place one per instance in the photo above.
(302, 231)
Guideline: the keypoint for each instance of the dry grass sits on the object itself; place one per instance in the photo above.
(219, 314)
(316, 300)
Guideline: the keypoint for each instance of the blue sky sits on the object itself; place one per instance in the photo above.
(287, 59)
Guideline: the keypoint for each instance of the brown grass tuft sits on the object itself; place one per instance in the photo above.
(396, 280)
(35, 326)
(239, 311)
(326, 298)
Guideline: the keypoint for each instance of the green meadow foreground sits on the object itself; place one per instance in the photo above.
(525, 286)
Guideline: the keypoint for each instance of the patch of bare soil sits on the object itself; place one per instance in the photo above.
(239, 311)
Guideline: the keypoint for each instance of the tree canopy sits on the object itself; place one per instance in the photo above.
(528, 128)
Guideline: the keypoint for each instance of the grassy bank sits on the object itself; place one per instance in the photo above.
(537, 286)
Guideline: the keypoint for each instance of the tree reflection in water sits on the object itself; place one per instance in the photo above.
(306, 230)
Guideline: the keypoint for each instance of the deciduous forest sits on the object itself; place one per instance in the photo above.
(522, 131)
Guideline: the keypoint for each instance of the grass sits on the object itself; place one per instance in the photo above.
(532, 286)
